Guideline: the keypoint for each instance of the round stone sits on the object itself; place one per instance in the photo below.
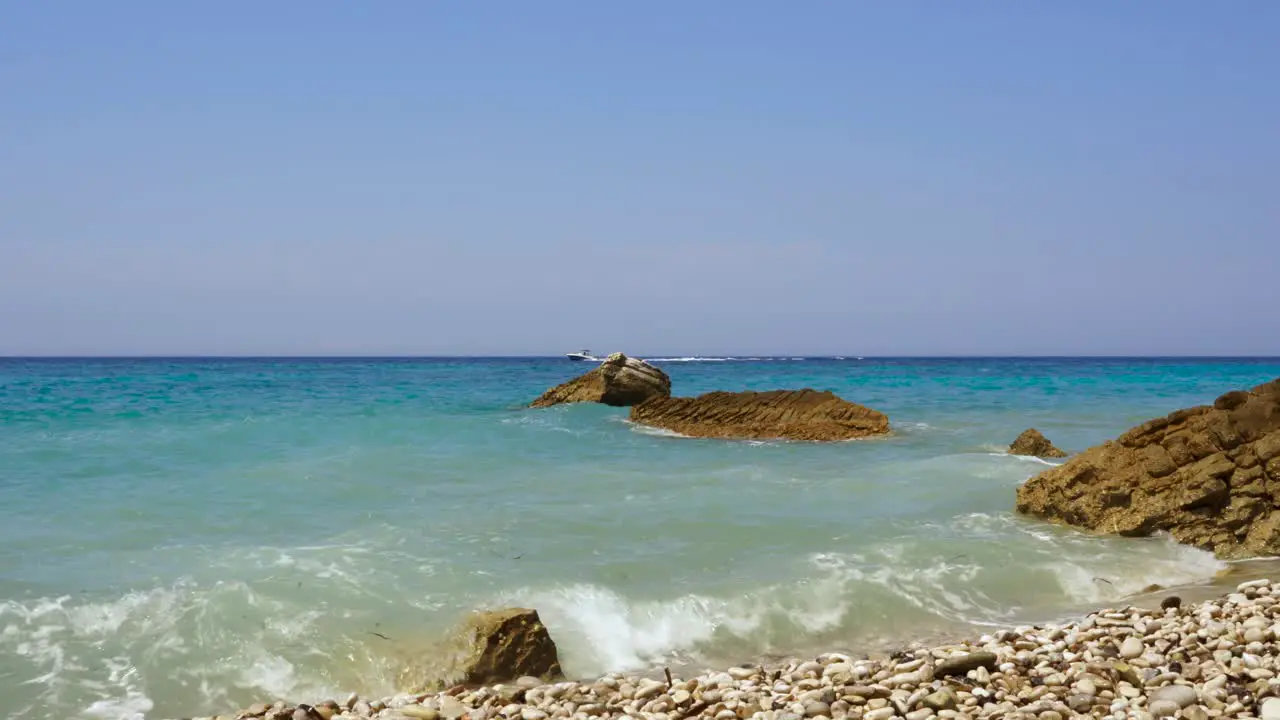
(1180, 695)
(817, 709)
(1132, 647)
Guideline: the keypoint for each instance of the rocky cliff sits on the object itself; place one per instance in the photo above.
(1210, 476)
(620, 381)
(779, 414)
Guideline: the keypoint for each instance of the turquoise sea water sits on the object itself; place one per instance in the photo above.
(181, 537)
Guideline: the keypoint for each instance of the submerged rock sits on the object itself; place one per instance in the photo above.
(1032, 442)
(620, 381)
(1209, 476)
(775, 415)
(490, 647)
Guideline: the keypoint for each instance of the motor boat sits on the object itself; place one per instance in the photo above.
(582, 355)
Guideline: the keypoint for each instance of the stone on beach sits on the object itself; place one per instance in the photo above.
(966, 663)
(619, 381)
(1032, 442)
(1207, 475)
(1180, 695)
(805, 414)
(490, 647)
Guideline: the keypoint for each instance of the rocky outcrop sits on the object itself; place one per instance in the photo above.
(1031, 442)
(490, 647)
(620, 381)
(1210, 476)
(775, 415)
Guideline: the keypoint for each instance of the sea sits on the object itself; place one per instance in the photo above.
(185, 537)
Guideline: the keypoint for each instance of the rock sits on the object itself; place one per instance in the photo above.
(1270, 709)
(1131, 648)
(1180, 695)
(1163, 708)
(1080, 703)
(963, 664)
(1031, 442)
(817, 709)
(1173, 602)
(1128, 674)
(619, 381)
(451, 708)
(944, 699)
(1205, 475)
(497, 646)
(419, 713)
(775, 415)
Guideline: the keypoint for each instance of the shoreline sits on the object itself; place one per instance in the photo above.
(1219, 657)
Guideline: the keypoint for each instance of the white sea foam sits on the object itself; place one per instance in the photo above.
(692, 358)
(131, 703)
(1000, 453)
(655, 431)
(601, 630)
(116, 659)
(1155, 561)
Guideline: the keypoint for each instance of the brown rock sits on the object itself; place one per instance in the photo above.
(620, 381)
(775, 415)
(489, 648)
(1031, 442)
(1202, 474)
(503, 645)
(964, 663)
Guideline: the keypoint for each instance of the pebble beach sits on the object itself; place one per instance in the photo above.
(1213, 659)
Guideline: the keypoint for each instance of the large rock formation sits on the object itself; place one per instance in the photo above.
(490, 647)
(779, 414)
(1032, 442)
(1210, 476)
(619, 381)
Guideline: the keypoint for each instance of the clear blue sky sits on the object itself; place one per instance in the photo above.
(691, 177)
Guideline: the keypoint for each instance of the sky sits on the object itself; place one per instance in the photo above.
(746, 177)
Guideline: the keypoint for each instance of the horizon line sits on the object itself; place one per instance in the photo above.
(725, 356)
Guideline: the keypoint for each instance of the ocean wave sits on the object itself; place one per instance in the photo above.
(654, 431)
(997, 451)
(146, 651)
(601, 630)
(238, 642)
(900, 587)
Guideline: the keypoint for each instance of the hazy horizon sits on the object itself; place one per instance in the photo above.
(404, 179)
(654, 356)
